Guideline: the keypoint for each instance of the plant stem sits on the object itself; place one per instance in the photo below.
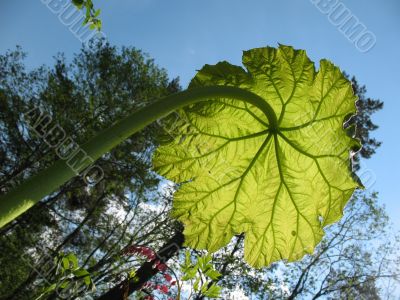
(37, 187)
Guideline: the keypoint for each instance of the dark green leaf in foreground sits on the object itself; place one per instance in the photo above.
(279, 187)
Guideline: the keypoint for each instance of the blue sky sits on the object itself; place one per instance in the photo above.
(183, 35)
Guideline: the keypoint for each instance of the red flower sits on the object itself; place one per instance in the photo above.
(148, 253)
(140, 250)
(173, 282)
(161, 267)
(168, 277)
(163, 289)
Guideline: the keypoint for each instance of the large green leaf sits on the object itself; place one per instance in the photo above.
(278, 187)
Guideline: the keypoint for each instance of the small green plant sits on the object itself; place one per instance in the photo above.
(202, 275)
(261, 151)
(68, 275)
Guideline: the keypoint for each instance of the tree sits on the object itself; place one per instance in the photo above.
(101, 85)
(363, 123)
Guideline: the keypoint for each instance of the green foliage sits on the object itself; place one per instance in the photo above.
(69, 276)
(90, 95)
(281, 147)
(366, 107)
(280, 187)
(201, 274)
(91, 14)
(103, 83)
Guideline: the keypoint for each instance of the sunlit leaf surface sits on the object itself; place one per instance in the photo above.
(279, 188)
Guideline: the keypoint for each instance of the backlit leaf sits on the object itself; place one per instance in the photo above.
(281, 188)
